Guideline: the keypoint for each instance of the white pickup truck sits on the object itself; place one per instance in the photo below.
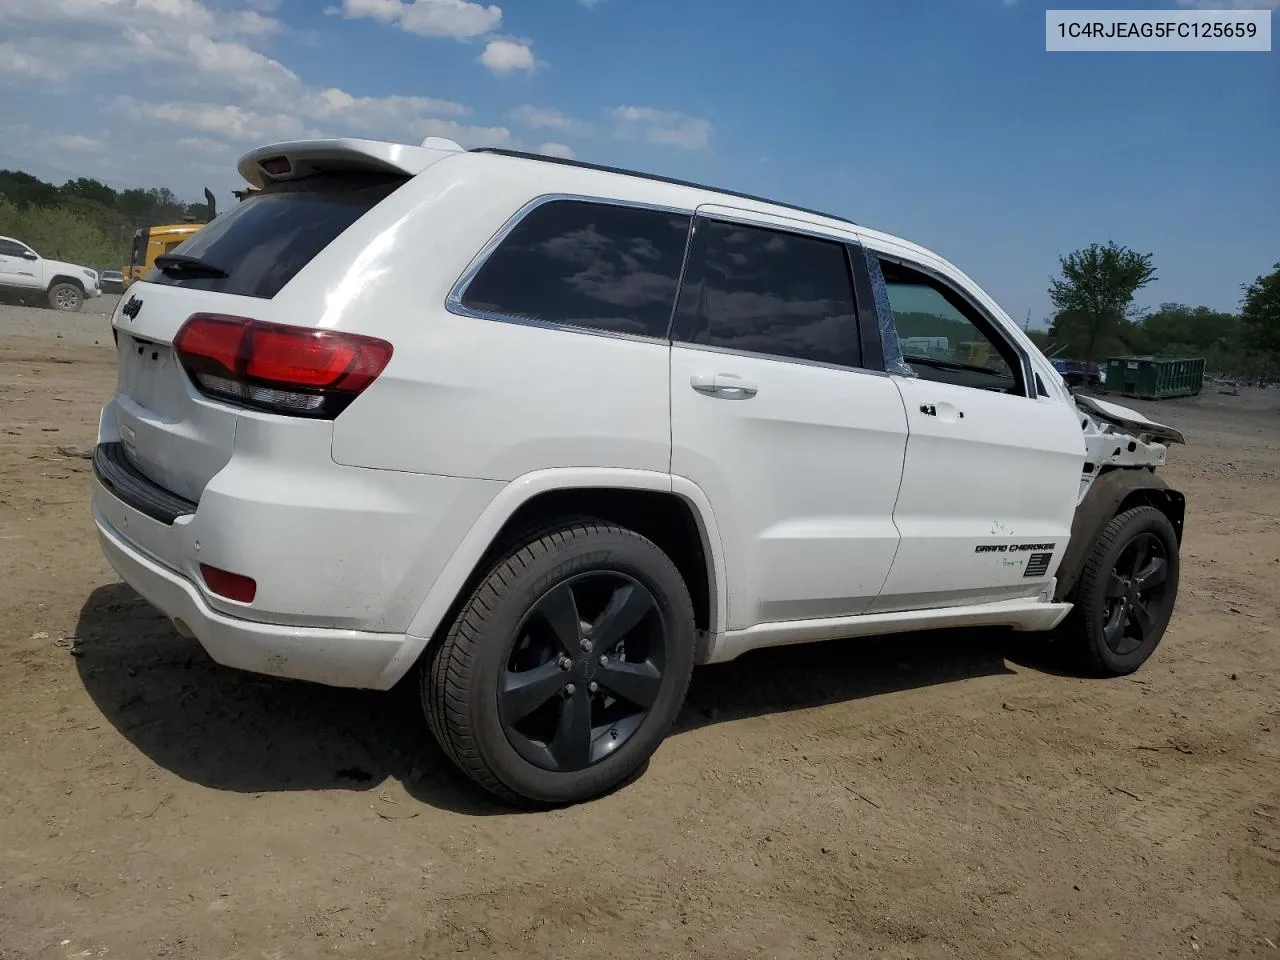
(26, 275)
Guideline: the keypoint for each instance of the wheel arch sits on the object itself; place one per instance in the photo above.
(64, 278)
(1112, 493)
(671, 511)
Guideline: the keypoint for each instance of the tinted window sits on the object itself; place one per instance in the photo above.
(943, 338)
(11, 249)
(770, 292)
(264, 241)
(595, 265)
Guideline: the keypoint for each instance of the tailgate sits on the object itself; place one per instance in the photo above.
(172, 435)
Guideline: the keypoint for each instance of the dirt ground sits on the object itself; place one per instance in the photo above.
(933, 796)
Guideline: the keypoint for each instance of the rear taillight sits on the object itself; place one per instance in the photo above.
(297, 371)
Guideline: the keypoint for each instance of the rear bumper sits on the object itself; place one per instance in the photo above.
(343, 658)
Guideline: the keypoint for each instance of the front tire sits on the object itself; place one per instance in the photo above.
(66, 297)
(1126, 593)
(566, 668)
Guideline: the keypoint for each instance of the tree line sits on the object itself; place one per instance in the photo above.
(1095, 319)
(85, 221)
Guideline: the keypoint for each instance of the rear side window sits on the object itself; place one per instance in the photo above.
(264, 241)
(594, 265)
(770, 292)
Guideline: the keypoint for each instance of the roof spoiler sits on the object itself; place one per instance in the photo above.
(295, 159)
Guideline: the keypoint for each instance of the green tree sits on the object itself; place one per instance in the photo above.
(24, 190)
(1094, 295)
(1260, 315)
(60, 234)
(89, 189)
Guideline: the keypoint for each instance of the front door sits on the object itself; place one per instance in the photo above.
(797, 446)
(16, 270)
(992, 469)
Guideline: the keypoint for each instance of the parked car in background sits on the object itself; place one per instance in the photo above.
(557, 433)
(1081, 373)
(27, 276)
(111, 281)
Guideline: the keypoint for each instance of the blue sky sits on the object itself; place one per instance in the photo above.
(944, 122)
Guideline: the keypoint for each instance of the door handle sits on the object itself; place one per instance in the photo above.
(945, 412)
(727, 386)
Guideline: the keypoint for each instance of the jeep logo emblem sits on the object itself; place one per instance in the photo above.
(132, 308)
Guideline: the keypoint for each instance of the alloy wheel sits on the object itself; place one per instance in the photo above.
(585, 669)
(1136, 594)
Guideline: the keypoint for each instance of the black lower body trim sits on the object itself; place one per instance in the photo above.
(131, 486)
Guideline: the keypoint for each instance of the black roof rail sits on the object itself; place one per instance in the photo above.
(543, 158)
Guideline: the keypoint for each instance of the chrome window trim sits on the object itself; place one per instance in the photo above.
(1028, 369)
(776, 358)
(454, 304)
(803, 227)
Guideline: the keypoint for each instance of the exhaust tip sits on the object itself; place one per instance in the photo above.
(182, 628)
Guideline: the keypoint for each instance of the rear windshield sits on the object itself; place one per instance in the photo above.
(264, 241)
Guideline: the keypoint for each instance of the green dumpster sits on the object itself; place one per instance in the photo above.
(1155, 378)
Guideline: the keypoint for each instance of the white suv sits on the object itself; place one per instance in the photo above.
(24, 273)
(551, 434)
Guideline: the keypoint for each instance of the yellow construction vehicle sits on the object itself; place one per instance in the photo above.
(151, 242)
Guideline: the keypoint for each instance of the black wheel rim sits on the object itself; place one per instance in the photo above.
(1136, 595)
(585, 668)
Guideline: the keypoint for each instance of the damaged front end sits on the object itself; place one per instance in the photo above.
(1119, 437)
(1122, 451)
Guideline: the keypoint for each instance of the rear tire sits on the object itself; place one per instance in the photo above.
(1126, 593)
(567, 666)
(66, 297)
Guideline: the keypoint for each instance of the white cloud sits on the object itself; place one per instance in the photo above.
(545, 118)
(29, 64)
(662, 126)
(75, 141)
(507, 56)
(251, 23)
(372, 114)
(205, 145)
(229, 121)
(464, 135)
(557, 150)
(460, 19)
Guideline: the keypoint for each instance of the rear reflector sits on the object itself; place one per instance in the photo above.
(233, 586)
(297, 371)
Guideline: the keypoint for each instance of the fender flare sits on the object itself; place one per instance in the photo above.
(443, 593)
(1104, 499)
(64, 278)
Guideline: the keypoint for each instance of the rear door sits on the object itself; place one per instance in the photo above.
(176, 437)
(798, 447)
(992, 466)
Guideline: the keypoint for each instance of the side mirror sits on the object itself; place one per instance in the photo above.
(30, 256)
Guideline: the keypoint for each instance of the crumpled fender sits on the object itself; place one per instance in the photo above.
(1110, 493)
(1128, 419)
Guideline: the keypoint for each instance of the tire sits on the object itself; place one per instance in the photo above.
(482, 690)
(1117, 624)
(66, 297)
